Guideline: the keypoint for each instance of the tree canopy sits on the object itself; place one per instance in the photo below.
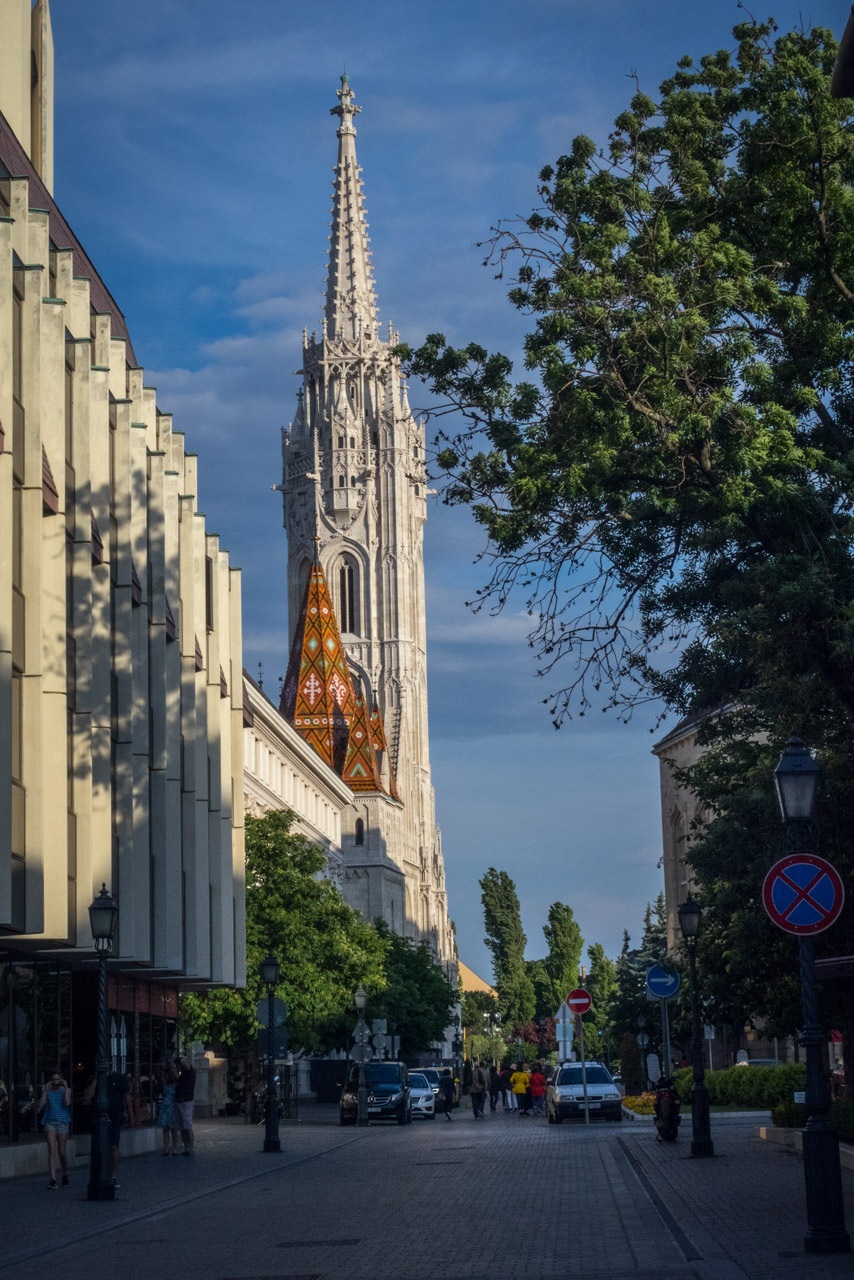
(672, 488)
(563, 962)
(506, 939)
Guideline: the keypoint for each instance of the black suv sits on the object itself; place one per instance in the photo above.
(388, 1093)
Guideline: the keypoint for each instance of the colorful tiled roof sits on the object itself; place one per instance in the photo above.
(317, 697)
(361, 768)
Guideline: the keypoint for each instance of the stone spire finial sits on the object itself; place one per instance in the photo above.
(351, 304)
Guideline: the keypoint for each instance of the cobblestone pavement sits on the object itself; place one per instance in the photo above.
(503, 1198)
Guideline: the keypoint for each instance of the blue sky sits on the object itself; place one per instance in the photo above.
(194, 150)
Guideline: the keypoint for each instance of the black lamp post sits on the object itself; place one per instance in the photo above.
(796, 781)
(103, 920)
(360, 1000)
(690, 915)
(541, 1031)
(270, 970)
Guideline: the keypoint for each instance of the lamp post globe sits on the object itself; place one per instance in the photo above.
(690, 919)
(269, 970)
(103, 920)
(796, 783)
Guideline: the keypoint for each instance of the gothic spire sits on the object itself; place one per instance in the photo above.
(351, 303)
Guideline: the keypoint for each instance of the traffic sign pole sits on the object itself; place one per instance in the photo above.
(584, 1073)
(665, 1027)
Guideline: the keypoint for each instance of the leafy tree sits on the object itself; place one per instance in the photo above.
(543, 994)
(629, 999)
(602, 985)
(679, 470)
(565, 943)
(474, 1004)
(631, 1067)
(417, 997)
(324, 947)
(505, 938)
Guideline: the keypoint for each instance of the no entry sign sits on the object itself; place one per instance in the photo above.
(803, 894)
(579, 1001)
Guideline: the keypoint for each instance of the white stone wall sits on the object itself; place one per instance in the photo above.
(121, 696)
(679, 809)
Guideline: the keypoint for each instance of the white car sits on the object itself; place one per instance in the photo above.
(565, 1097)
(421, 1093)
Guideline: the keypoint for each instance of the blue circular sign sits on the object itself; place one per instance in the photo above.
(662, 983)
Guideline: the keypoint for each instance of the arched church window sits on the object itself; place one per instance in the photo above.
(340, 442)
(341, 482)
(352, 442)
(360, 831)
(417, 491)
(347, 596)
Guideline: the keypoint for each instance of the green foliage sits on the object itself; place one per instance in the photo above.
(543, 993)
(602, 985)
(505, 938)
(474, 1004)
(672, 488)
(759, 1087)
(416, 997)
(793, 1115)
(324, 947)
(563, 962)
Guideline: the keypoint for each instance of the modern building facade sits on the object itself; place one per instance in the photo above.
(121, 690)
(354, 489)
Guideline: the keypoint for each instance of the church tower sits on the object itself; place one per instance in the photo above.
(355, 503)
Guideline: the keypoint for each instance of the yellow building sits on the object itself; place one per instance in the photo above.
(121, 692)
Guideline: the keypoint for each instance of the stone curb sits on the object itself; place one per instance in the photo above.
(792, 1139)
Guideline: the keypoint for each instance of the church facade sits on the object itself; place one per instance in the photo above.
(354, 494)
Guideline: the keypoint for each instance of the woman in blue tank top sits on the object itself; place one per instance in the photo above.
(55, 1106)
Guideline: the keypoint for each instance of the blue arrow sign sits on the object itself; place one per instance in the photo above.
(662, 983)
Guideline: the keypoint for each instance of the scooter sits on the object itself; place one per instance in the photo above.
(666, 1111)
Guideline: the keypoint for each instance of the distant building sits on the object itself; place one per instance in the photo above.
(679, 808)
(354, 488)
(121, 691)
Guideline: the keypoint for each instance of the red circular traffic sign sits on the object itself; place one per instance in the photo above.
(803, 894)
(579, 1001)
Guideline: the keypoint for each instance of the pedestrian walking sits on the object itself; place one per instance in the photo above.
(55, 1103)
(538, 1089)
(520, 1083)
(167, 1113)
(185, 1091)
(448, 1089)
(477, 1089)
(494, 1087)
(507, 1095)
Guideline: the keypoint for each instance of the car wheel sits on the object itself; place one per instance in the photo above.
(409, 1116)
(432, 1115)
(558, 1118)
(550, 1117)
(401, 1117)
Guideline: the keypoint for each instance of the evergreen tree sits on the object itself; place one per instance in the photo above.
(543, 995)
(563, 962)
(506, 939)
(602, 985)
(654, 941)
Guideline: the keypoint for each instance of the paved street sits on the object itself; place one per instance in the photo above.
(501, 1198)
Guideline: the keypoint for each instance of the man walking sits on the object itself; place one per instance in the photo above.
(185, 1091)
(477, 1089)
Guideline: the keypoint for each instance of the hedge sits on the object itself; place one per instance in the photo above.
(759, 1087)
(793, 1115)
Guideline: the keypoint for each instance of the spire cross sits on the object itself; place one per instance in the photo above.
(346, 108)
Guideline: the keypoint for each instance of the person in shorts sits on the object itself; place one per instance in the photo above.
(55, 1109)
(184, 1092)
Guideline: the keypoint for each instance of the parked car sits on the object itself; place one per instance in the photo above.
(431, 1075)
(421, 1092)
(565, 1097)
(389, 1095)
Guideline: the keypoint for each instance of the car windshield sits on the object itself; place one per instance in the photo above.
(382, 1073)
(595, 1075)
(418, 1081)
(430, 1075)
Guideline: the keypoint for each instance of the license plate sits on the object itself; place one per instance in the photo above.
(594, 1106)
(375, 1108)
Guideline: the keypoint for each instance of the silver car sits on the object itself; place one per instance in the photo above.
(565, 1097)
(421, 1092)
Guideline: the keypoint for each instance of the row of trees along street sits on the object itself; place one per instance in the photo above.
(670, 486)
(530, 990)
(326, 950)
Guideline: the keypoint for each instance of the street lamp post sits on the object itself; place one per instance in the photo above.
(541, 1032)
(103, 918)
(270, 970)
(690, 915)
(796, 782)
(360, 1000)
